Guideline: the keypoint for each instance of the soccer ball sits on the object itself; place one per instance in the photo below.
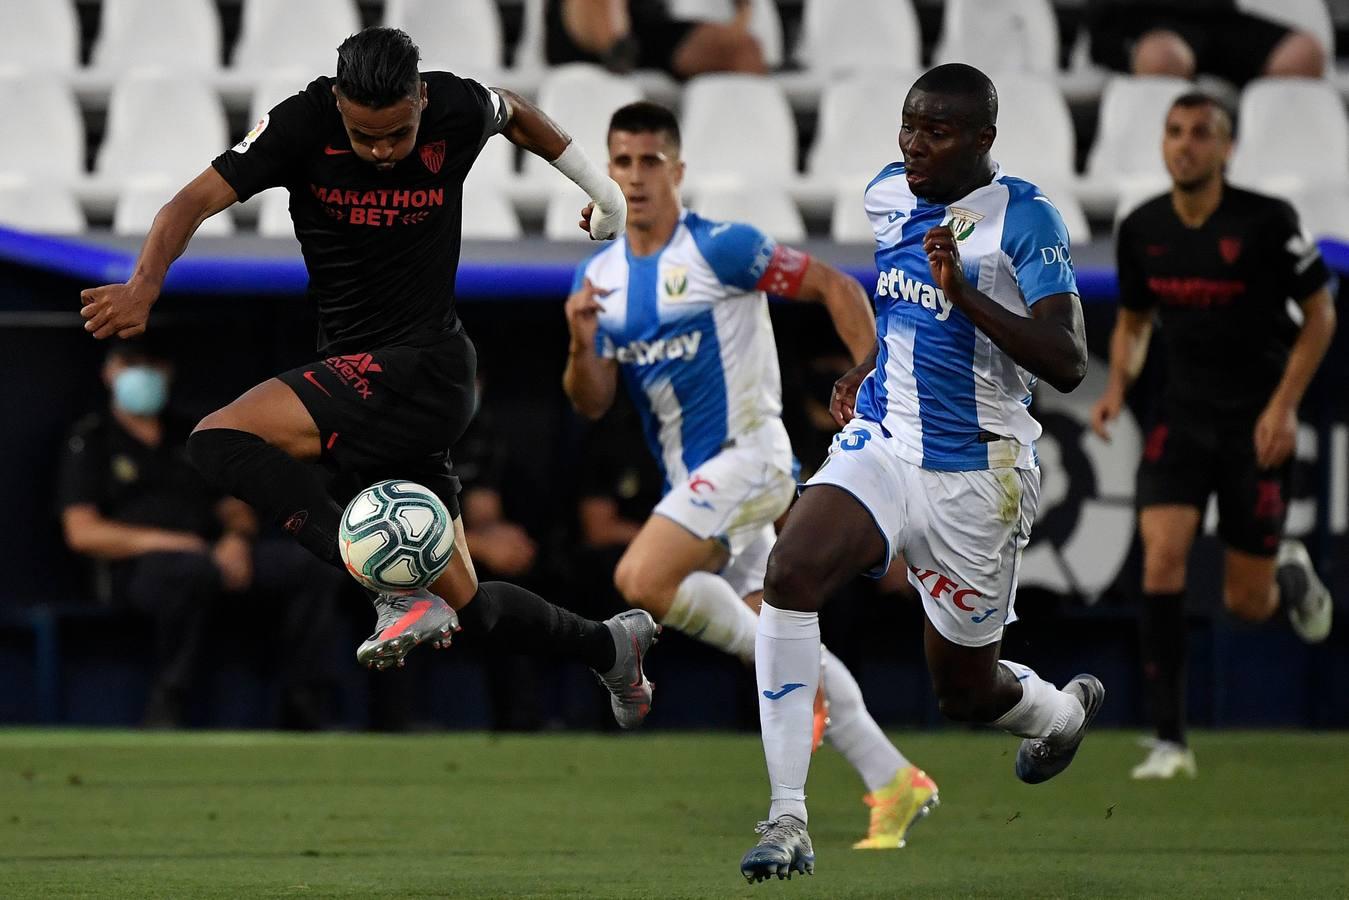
(396, 536)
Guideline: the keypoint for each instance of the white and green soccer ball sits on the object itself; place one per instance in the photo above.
(396, 536)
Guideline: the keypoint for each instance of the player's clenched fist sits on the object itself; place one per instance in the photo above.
(943, 257)
(604, 224)
(583, 314)
(117, 309)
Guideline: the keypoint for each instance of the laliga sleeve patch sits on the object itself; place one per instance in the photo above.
(258, 129)
(786, 270)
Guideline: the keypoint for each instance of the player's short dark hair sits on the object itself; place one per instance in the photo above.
(645, 117)
(966, 83)
(377, 67)
(1196, 99)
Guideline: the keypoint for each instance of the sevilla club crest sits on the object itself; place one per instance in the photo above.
(1230, 248)
(433, 155)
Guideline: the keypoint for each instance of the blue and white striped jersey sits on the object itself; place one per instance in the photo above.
(940, 385)
(689, 328)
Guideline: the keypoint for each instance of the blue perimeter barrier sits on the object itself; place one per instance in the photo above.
(477, 280)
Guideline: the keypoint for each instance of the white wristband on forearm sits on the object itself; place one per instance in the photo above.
(610, 212)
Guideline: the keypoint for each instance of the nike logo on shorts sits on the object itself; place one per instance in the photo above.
(782, 691)
(334, 151)
(309, 377)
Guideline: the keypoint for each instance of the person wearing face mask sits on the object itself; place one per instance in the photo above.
(167, 545)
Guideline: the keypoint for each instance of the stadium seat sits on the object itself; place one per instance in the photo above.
(162, 124)
(1292, 134)
(1035, 138)
(564, 211)
(274, 216)
(529, 50)
(848, 223)
(1128, 143)
(769, 209)
(738, 127)
(39, 205)
(838, 35)
(184, 34)
(1137, 192)
(42, 35)
(141, 199)
(1006, 36)
(463, 37)
(765, 21)
(46, 110)
(858, 131)
(302, 33)
(1070, 210)
(581, 98)
(1323, 211)
(1312, 16)
(488, 215)
(274, 87)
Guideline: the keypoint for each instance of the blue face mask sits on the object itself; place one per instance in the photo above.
(140, 390)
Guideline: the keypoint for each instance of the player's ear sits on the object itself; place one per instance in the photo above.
(987, 135)
(422, 94)
(679, 173)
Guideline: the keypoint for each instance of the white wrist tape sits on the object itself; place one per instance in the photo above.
(600, 187)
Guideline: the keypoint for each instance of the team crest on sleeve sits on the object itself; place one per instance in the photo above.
(675, 279)
(433, 155)
(961, 222)
(258, 129)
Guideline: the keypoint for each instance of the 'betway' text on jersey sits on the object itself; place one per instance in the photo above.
(954, 399)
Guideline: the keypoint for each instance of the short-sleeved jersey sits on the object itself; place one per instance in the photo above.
(105, 466)
(940, 384)
(689, 328)
(1222, 293)
(381, 247)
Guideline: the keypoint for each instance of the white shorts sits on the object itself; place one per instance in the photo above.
(734, 498)
(961, 533)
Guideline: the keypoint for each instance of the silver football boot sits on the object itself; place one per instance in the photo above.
(404, 621)
(784, 847)
(634, 631)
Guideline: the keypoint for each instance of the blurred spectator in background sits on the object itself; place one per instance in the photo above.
(1198, 37)
(171, 548)
(623, 35)
(502, 551)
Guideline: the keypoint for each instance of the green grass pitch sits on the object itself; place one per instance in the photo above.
(91, 813)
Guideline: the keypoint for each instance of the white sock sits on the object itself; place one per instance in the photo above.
(1043, 710)
(853, 731)
(708, 609)
(787, 668)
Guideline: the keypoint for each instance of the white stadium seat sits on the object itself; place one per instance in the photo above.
(41, 35)
(564, 212)
(488, 215)
(851, 34)
(141, 200)
(767, 208)
(1308, 15)
(275, 86)
(46, 110)
(858, 131)
(274, 218)
(39, 205)
(848, 224)
(1000, 36)
(463, 37)
(1128, 143)
(1136, 192)
(303, 33)
(1323, 211)
(765, 21)
(738, 127)
(581, 98)
(1291, 133)
(1035, 138)
(184, 34)
(529, 51)
(162, 124)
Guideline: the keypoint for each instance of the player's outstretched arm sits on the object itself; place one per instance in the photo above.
(122, 309)
(589, 380)
(1128, 351)
(529, 127)
(847, 303)
(1051, 343)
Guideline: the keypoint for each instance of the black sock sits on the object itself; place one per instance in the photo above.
(512, 618)
(282, 489)
(1163, 634)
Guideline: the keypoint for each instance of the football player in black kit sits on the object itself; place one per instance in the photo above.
(1217, 266)
(374, 160)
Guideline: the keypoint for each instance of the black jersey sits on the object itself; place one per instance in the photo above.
(1222, 293)
(381, 248)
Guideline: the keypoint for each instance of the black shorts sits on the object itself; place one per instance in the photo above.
(1184, 462)
(1232, 45)
(658, 37)
(392, 412)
